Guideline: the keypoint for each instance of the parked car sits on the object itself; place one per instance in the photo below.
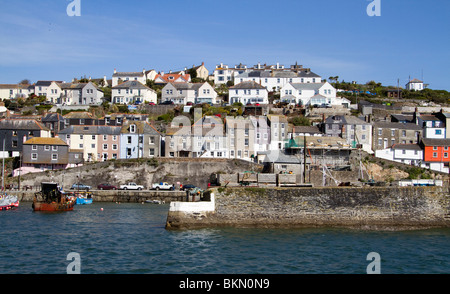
(131, 186)
(166, 103)
(162, 186)
(188, 187)
(79, 186)
(107, 187)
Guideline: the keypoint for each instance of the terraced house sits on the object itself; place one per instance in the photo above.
(14, 132)
(139, 139)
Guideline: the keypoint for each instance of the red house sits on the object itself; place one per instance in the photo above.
(436, 153)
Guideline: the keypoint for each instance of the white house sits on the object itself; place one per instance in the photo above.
(404, 153)
(120, 77)
(274, 80)
(308, 93)
(183, 93)
(433, 127)
(414, 85)
(248, 92)
(11, 91)
(224, 74)
(79, 94)
(132, 92)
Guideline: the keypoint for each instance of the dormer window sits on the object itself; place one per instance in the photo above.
(133, 129)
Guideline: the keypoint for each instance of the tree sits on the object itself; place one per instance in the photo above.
(25, 82)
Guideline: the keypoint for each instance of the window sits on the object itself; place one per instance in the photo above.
(54, 156)
(438, 132)
(392, 132)
(105, 137)
(152, 152)
(128, 151)
(434, 154)
(152, 140)
(129, 139)
(445, 155)
(114, 147)
(47, 148)
(105, 146)
(81, 137)
(92, 145)
(435, 148)
(54, 148)
(81, 146)
(34, 156)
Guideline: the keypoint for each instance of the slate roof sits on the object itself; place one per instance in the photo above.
(248, 85)
(21, 124)
(397, 125)
(45, 141)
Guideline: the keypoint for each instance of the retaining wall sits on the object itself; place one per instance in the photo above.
(386, 208)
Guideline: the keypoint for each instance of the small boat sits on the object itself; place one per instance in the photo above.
(8, 202)
(52, 198)
(83, 198)
(154, 201)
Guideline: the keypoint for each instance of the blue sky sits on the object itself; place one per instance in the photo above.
(39, 41)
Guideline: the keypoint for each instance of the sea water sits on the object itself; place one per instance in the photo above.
(112, 238)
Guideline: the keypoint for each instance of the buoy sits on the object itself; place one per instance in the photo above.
(101, 209)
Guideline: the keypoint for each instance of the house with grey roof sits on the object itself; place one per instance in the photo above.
(133, 92)
(139, 139)
(276, 79)
(183, 93)
(386, 134)
(79, 94)
(405, 153)
(121, 77)
(305, 94)
(14, 132)
(248, 92)
(356, 132)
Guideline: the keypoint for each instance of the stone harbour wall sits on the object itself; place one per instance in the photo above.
(386, 208)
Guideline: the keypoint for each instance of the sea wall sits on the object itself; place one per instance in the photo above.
(387, 208)
(117, 196)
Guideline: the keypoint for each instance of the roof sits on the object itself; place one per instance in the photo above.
(45, 141)
(92, 130)
(248, 85)
(128, 74)
(307, 86)
(21, 124)
(436, 142)
(79, 114)
(46, 83)
(345, 120)
(132, 85)
(173, 77)
(143, 127)
(397, 125)
(306, 129)
(415, 81)
(406, 146)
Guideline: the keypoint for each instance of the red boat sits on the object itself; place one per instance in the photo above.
(8, 202)
(51, 198)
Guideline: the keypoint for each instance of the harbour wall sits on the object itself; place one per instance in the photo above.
(377, 208)
(117, 196)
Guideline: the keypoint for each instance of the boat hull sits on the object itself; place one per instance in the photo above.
(42, 206)
(82, 201)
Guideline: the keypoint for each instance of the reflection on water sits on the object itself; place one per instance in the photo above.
(131, 238)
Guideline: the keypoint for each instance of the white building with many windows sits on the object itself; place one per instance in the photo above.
(132, 92)
(248, 93)
(183, 93)
(308, 94)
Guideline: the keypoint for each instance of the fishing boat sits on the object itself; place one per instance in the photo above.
(83, 198)
(52, 198)
(8, 202)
